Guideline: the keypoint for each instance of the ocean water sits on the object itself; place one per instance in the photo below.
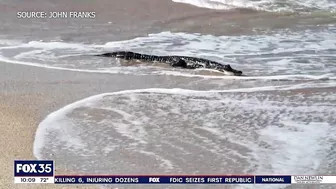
(307, 54)
(266, 5)
(279, 119)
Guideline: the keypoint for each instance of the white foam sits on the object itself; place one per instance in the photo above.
(115, 70)
(224, 4)
(7, 42)
(266, 5)
(289, 132)
(56, 122)
(288, 143)
(166, 164)
(56, 45)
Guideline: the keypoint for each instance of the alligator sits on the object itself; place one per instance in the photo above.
(175, 61)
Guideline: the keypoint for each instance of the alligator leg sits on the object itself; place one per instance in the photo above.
(179, 63)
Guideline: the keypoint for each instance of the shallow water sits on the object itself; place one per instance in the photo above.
(308, 54)
(176, 131)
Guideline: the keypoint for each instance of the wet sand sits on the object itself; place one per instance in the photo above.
(18, 124)
(28, 94)
(23, 104)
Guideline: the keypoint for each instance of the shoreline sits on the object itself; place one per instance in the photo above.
(19, 125)
(28, 98)
(30, 93)
(20, 115)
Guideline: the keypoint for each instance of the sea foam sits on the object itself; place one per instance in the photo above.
(143, 131)
(265, 5)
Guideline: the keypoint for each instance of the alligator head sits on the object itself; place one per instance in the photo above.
(230, 71)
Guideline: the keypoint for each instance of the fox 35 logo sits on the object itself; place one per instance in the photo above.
(43, 168)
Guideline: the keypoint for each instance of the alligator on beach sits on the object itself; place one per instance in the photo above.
(175, 61)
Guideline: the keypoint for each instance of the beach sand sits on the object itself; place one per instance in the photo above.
(22, 106)
(18, 125)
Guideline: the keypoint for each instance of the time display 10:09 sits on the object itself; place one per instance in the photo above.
(28, 179)
(33, 180)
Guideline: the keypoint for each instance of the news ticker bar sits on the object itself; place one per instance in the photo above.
(177, 179)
